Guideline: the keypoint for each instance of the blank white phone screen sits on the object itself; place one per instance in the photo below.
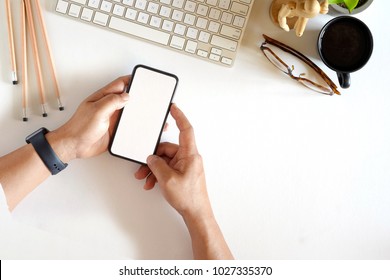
(143, 118)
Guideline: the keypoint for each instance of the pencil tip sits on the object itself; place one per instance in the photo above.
(25, 119)
(44, 115)
(15, 82)
(60, 106)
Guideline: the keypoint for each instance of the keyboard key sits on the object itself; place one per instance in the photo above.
(224, 4)
(180, 29)
(190, 6)
(227, 17)
(189, 19)
(216, 51)
(74, 10)
(224, 43)
(62, 7)
(191, 46)
(139, 30)
(143, 18)
(231, 32)
(155, 21)
(201, 23)
(100, 18)
(177, 42)
(202, 10)
(204, 37)
(106, 6)
(87, 14)
(212, 2)
(226, 60)
(240, 9)
(177, 15)
(82, 2)
(215, 14)
(128, 2)
(239, 21)
(202, 53)
(178, 3)
(167, 25)
(165, 11)
(153, 8)
(94, 3)
(131, 14)
(192, 33)
(119, 10)
(214, 26)
(140, 4)
(214, 57)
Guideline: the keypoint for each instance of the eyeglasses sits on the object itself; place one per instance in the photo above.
(327, 86)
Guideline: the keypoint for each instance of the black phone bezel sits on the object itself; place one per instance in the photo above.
(133, 75)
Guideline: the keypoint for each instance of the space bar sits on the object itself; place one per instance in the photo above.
(139, 30)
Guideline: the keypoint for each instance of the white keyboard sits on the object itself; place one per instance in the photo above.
(207, 29)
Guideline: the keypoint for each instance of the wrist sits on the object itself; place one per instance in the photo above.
(200, 219)
(62, 145)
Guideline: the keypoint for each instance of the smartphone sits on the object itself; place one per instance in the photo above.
(142, 120)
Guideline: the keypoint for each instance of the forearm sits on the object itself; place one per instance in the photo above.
(20, 173)
(86, 134)
(23, 170)
(208, 242)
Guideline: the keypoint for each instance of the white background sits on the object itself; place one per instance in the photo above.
(292, 174)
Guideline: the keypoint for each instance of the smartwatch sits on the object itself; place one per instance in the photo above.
(45, 151)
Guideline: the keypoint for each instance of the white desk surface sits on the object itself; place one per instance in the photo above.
(292, 174)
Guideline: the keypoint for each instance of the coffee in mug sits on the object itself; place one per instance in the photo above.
(345, 45)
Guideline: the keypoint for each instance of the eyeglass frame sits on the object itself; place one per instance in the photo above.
(302, 57)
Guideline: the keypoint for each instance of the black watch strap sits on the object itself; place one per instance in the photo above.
(45, 151)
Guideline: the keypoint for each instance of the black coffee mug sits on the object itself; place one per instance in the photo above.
(345, 45)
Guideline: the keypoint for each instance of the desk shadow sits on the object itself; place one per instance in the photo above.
(153, 227)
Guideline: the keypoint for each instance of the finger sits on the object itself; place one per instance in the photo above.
(187, 136)
(113, 122)
(111, 103)
(142, 172)
(159, 168)
(166, 126)
(167, 149)
(117, 86)
(150, 182)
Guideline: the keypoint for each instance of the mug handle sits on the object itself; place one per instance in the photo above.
(344, 79)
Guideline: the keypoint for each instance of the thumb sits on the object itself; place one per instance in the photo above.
(111, 103)
(159, 168)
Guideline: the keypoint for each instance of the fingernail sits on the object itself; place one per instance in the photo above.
(151, 159)
(125, 96)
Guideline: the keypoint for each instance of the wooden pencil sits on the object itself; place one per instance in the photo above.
(38, 69)
(24, 62)
(49, 52)
(11, 42)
